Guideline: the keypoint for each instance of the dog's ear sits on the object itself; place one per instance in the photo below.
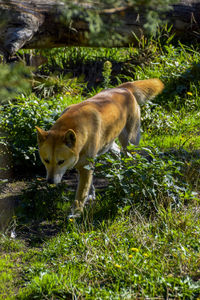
(70, 138)
(41, 135)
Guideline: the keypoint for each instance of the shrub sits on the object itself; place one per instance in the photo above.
(13, 80)
(145, 179)
(18, 121)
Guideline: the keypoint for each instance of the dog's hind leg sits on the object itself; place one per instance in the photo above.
(92, 194)
(130, 134)
(115, 150)
(135, 138)
(91, 197)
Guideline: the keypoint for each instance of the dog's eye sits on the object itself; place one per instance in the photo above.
(46, 161)
(60, 162)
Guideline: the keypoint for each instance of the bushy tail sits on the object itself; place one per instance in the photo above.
(144, 90)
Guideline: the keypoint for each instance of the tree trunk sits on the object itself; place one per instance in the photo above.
(34, 24)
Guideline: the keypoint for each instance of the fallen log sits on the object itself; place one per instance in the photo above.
(36, 24)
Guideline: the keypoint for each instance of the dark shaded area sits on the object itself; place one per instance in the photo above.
(180, 86)
(92, 69)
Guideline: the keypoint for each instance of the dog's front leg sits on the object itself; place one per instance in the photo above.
(84, 184)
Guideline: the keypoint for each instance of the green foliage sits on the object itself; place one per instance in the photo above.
(19, 118)
(144, 180)
(88, 65)
(13, 80)
(181, 87)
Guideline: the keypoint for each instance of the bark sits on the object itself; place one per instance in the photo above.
(34, 24)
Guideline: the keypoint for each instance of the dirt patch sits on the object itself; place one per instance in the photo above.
(9, 197)
(11, 191)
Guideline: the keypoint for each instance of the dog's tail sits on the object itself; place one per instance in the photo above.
(144, 90)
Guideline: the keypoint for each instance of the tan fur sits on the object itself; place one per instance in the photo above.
(90, 128)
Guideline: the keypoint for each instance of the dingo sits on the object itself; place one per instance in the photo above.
(88, 129)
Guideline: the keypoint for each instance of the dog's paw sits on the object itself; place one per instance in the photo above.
(90, 200)
(91, 197)
(76, 210)
(74, 215)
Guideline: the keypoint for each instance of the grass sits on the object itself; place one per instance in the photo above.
(141, 240)
(174, 131)
(128, 258)
(10, 267)
(8, 273)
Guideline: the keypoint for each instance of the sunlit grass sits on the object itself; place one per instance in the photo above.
(120, 258)
(178, 131)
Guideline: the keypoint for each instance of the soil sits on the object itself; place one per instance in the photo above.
(10, 192)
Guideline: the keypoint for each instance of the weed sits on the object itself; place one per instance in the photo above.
(144, 180)
(48, 86)
(107, 69)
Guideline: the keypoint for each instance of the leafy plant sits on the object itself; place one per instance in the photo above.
(100, 31)
(18, 120)
(107, 69)
(13, 80)
(145, 180)
(48, 86)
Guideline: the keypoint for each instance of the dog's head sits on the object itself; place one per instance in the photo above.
(57, 152)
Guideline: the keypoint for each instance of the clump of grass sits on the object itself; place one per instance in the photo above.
(48, 86)
(9, 244)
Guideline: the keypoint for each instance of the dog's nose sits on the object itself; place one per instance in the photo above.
(50, 180)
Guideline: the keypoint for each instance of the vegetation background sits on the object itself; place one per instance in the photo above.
(141, 237)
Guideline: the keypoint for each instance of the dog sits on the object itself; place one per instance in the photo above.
(90, 128)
